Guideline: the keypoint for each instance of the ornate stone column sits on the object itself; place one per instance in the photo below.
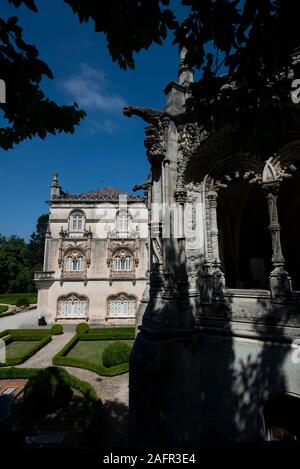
(280, 282)
(218, 281)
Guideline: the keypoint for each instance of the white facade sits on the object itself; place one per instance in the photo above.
(95, 259)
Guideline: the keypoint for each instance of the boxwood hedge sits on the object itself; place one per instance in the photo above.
(41, 341)
(61, 358)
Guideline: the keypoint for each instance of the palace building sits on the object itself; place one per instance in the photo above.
(217, 355)
(95, 257)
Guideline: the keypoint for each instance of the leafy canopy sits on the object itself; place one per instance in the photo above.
(243, 50)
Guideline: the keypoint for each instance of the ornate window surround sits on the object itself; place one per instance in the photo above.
(122, 261)
(72, 306)
(76, 222)
(122, 305)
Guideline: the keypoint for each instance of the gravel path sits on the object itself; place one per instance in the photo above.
(25, 319)
(43, 357)
(113, 391)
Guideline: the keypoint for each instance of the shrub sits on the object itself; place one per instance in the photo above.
(47, 391)
(82, 328)
(22, 302)
(115, 354)
(57, 329)
(3, 309)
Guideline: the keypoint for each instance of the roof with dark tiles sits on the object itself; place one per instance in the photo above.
(103, 194)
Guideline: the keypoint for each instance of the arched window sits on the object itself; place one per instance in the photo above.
(69, 263)
(123, 222)
(117, 263)
(127, 263)
(72, 306)
(74, 263)
(122, 262)
(121, 306)
(76, 222)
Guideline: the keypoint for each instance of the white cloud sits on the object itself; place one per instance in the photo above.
(107, 126)
(91, 90)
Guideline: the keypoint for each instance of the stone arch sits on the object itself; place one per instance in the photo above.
(121, 305)
(287, 172)
(72, 305)
(233, 200)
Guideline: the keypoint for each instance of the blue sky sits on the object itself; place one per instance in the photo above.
(107, 148)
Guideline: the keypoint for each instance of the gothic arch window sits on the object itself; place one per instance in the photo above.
(77, 222)
(121, 305)
(127, 263)
(122, 261)
(74, 262)
(117, 263)
(72, 306)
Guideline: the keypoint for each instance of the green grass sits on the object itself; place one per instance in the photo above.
(20, 347)
(17, 348)
(12, 298)
(91, 351)
(85, 351)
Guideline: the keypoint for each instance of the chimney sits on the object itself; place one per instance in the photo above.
(55, 187)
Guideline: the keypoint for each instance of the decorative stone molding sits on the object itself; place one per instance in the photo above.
(280, 282)
(155, 142)
(122, 248)
(275, 171)
(190, 138)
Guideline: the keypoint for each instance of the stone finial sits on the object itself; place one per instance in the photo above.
(55, 187)
(185, 74)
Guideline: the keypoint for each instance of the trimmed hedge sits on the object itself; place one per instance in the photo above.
(57, 329)
(82, 328)
(41, 341)
(15, 373)
(109, 333)
(62, 359)
(26, 373)
(29, 331)
(115, 354)
(47, 391)
(22, 301)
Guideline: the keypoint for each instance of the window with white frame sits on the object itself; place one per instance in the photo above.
(122, 263)
(121, 306)
(72, 306)
(76, 222)
(74, 264)
(123, 222)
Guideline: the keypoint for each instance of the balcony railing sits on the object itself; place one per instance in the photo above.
(44, 275)
(123, 234)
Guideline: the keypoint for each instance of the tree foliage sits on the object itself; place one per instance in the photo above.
(19, 260)
(243, 49)
(28, 111)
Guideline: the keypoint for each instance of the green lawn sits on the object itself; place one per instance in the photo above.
(91, 351)
(12, 298)
(16, 349)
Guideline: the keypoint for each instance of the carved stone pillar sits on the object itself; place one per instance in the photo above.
(280, 282)
(218, 281)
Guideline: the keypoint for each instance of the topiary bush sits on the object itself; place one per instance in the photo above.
(115, 354)
(57, 329)
(47, 391)
(22, 302)
(82, 328)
